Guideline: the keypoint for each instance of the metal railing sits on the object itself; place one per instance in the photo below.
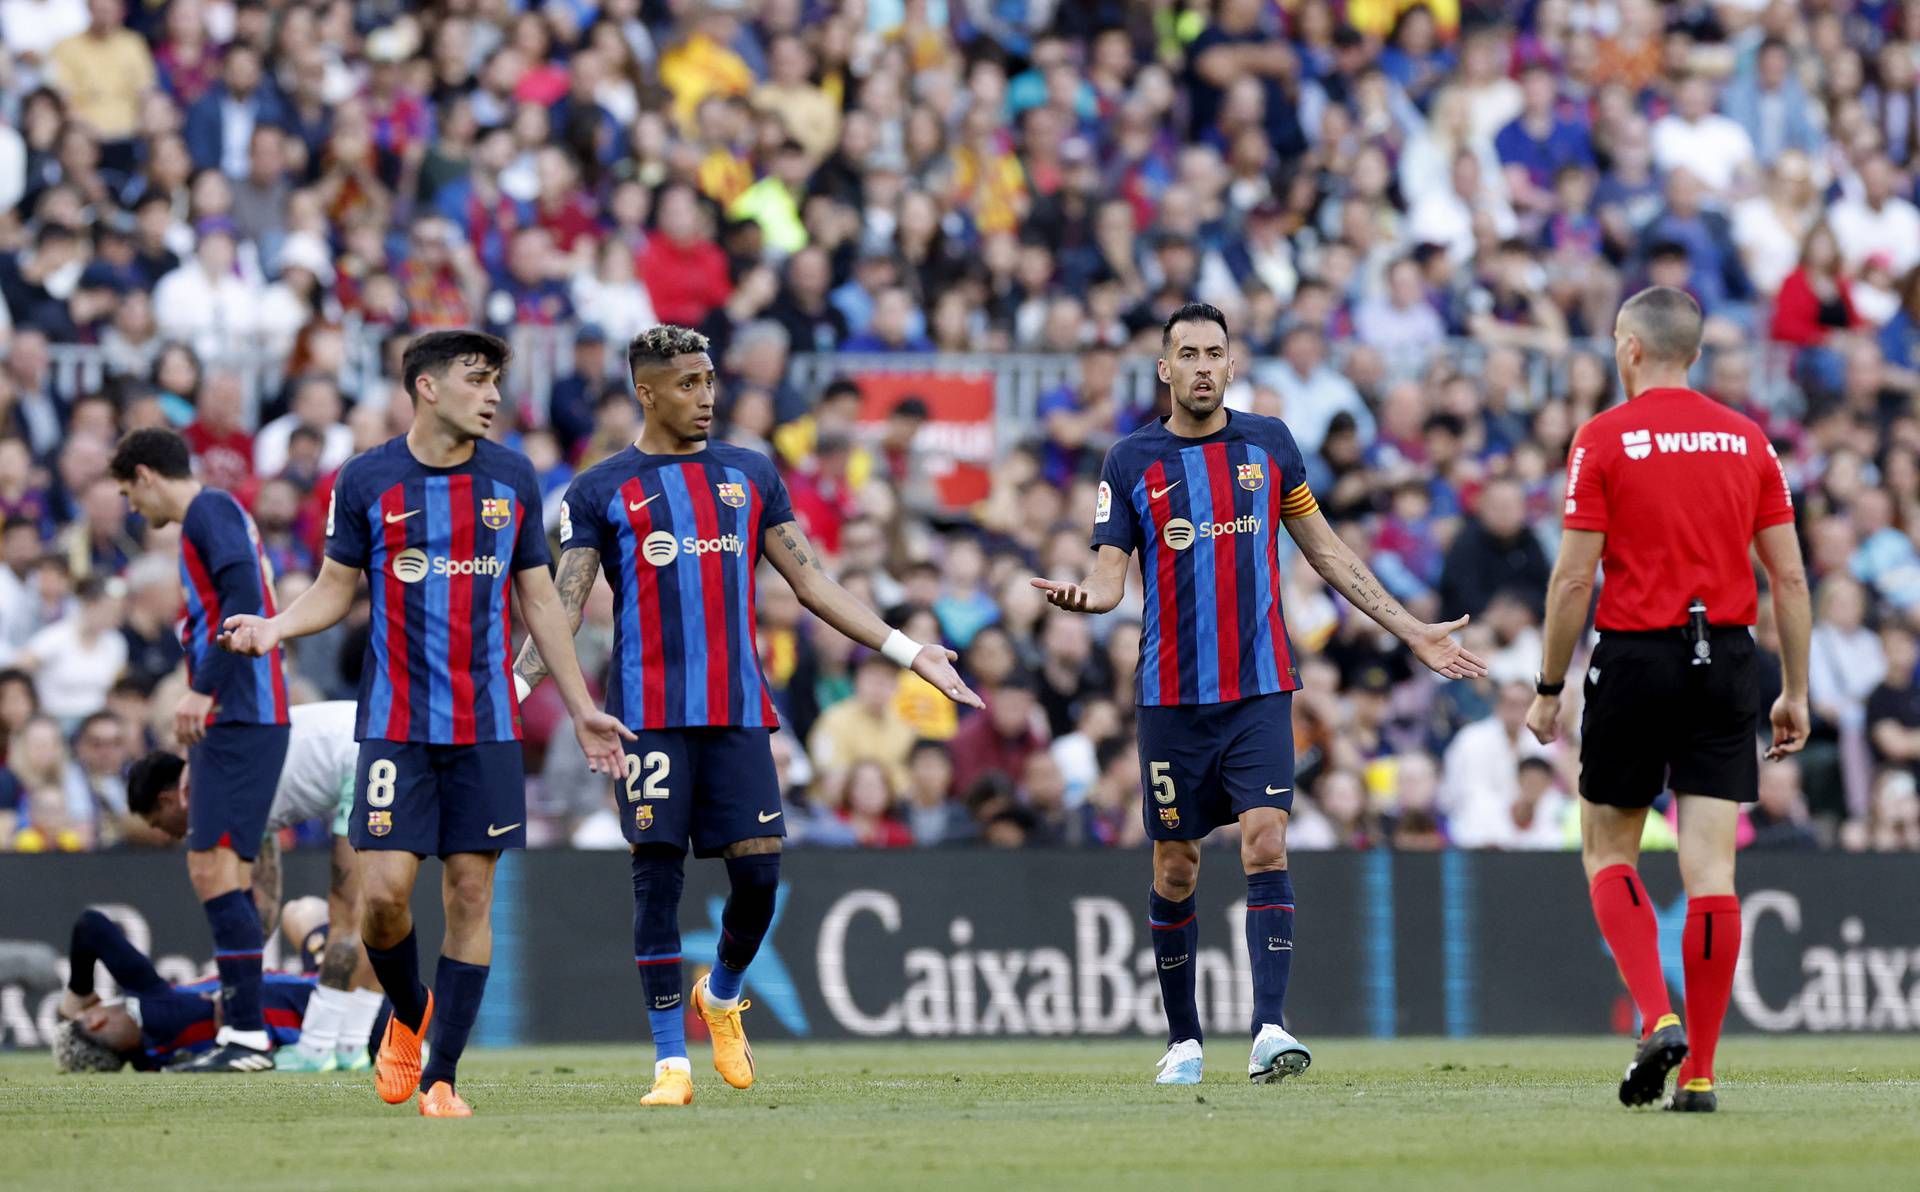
(543, 355)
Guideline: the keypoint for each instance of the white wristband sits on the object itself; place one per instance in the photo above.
(521, 688)
(900, 648)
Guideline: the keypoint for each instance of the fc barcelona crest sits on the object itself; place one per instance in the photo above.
(496, 513)
(379, 823)
(1170, 817)
(1251, 477)
(733, 496)
(642, 817)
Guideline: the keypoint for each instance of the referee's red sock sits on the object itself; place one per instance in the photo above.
(1625, 915)
(1711, 947)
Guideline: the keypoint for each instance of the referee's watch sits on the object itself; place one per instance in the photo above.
(1542, 687)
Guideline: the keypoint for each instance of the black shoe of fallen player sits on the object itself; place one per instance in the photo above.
(227, 1057)
(1657, 1055)
(1693, 1100)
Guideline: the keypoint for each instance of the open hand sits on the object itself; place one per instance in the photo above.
(600, 735)
(1434, 646)
(1072, 597)
(935, 664)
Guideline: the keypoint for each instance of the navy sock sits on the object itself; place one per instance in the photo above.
(237, 941)
(658, 876)
(1175, 929)
(457, 990)
(1269, 943)
(398, 968)
(755, 880)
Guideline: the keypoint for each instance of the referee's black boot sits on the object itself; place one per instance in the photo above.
(1688, 1099)
(1658, 1054)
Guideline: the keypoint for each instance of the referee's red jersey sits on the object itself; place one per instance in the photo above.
(1679, 484)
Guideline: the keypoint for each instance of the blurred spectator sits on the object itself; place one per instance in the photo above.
(1877, 220)
(867, 807)
(1844, 668)
(932, 815)
(56, 812)
(1536, 819)
(316, 406)
(76, 659)
(1779, 819)
(996, 743)
(1481, 776)
(863, 728)
(1494, 552)
(151, 626)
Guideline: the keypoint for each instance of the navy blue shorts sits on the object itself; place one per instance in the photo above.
(437, 800)
(233, 772)
(1205, 765)
(714, 786)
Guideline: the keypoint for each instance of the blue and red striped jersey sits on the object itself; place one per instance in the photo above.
(224, 571)
(679, 537)
(1205, 516)
(179, 1021)
(440, 547)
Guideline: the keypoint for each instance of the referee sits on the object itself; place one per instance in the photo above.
(1666, 492)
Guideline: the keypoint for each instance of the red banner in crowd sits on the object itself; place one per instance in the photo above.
(957, 443)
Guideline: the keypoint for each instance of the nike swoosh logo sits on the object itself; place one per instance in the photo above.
(633, 508)
(1277, 948)
(493, 831)
(1157, 493)
(1174, 964)
(1278, 790)
(400, 517)
(767, 818)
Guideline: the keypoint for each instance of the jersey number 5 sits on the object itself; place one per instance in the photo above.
(657, 766)
(1162, 781)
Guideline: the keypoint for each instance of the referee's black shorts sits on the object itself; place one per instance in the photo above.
(1655, 722)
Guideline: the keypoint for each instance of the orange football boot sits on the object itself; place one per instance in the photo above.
(442, 1101)
(396, 1070)
(671, 1086)
(732, 1057)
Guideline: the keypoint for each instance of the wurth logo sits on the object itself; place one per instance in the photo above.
(1701, 442)
(1638, 443)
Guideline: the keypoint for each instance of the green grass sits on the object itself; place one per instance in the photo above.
(1800, 1113)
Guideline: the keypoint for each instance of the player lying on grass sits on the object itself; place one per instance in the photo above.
(446, 526)
(315, 781)
(678, 523)
(156, 1025)
(1202, 494)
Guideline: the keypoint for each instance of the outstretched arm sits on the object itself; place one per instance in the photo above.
(1569, 593)
(579, 567)
(1102, 591)
(795, 558)
(1341, 568)
(547, 626)
(320, 607)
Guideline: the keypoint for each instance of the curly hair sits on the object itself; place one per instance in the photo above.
(658, 345)
(74, 1050)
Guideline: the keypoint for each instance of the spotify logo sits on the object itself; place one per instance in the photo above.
(660, 548)
(1178, 533)
(410, 565)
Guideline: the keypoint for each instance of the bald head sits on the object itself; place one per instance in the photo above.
(1666, 321)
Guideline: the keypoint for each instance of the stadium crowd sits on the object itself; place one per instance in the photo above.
(1411, 212)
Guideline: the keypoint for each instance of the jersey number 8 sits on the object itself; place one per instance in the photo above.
(381, 776)
(657, 766)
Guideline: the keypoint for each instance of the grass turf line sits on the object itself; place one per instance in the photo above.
(1801, 1113)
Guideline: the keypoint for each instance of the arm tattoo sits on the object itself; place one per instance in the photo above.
(579, 567)
(796, 545)
(266, 885)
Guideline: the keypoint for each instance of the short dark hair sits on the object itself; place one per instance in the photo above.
(436, 351)
(154, 447)
(659, 345)
(19, 521)
(1193, 312)
(929, 745)
(150, 777)
(1666, 321)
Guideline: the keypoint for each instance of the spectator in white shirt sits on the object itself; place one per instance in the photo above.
(316, 404)
(1878, 220)
(1400, 322)
(1713, 148)
(1311, 390)
(74, 661)
(1480, 773)
(206, 302)
(1536, 819)
(1445, 215)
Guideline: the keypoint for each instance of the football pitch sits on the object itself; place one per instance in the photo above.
(1804, 1113)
